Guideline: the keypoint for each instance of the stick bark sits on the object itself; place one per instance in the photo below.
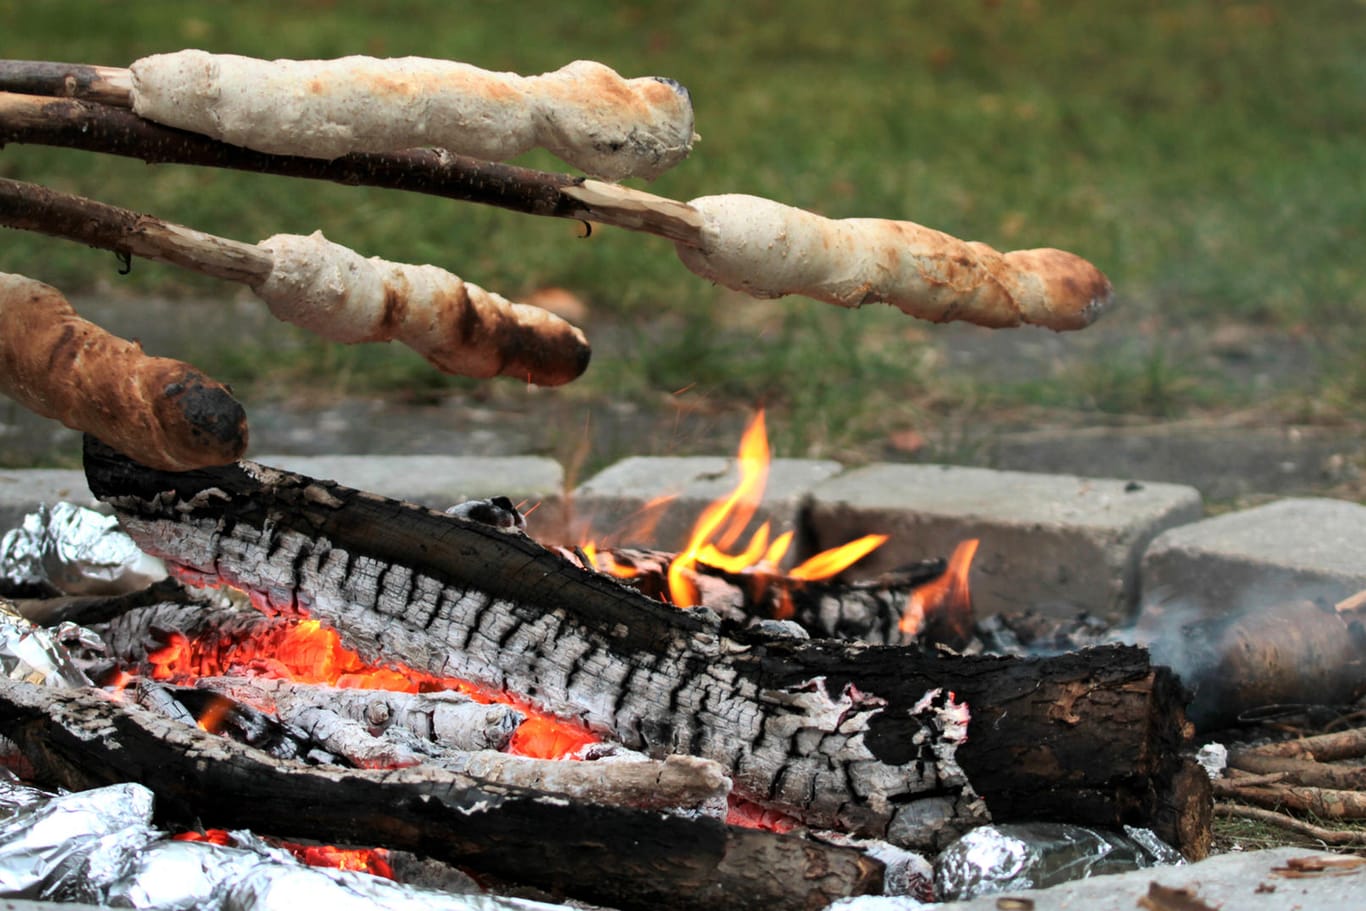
(72, 123)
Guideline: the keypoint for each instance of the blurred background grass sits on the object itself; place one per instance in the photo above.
(1209, 155)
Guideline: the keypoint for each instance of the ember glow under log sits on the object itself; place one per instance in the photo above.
(864, 739)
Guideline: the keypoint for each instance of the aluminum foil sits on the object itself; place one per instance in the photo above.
(183, 875)
(32, 653)
(15, 795)
(76, 550)
(98, 847)
(291, 888)
(1006, 857)
(67, 847)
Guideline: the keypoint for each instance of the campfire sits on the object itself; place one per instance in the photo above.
(724, 726)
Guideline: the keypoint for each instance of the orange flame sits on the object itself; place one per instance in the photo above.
(946, 599)
(723, 522)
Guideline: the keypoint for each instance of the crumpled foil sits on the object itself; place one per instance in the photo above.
(285, 888)
(76, 550)
(1011, 856)
(98, 847)
(68, 847)
(32, 653)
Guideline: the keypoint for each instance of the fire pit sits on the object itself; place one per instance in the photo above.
(720, 725)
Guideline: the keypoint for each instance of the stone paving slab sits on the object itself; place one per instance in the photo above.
(612, 507)
(1286, 550)
(22, 490)
(1056, 543)
(438, 482)
(1236, 882)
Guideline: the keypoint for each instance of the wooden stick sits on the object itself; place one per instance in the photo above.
(1303, 771)
(34, 208)
(746, 243)
(71, 123)
(1339, 837)
(1230, 785)
(100, 84)
(1323, 748)
(330, 290)
(1325, 803)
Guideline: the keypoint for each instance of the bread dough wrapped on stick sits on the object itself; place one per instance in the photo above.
(767, 249)
(459, 327)
(159, 411)
(585, 113)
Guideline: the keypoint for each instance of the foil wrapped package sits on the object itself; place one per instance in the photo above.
(98, 847)
(184, 875)
(1010, 856)
(77, 551)
(68, 847)
(282, 888)
(33, 654)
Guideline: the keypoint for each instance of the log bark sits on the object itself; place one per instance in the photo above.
(620, 857)
(861, 738)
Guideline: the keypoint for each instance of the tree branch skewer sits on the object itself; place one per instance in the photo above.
(746, 243)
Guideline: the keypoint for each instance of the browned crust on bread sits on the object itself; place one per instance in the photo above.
(161, 412)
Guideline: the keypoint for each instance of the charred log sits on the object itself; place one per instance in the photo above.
(841, 735)
(623, 857)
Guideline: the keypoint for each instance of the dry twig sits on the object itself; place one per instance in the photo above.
(1336, 837)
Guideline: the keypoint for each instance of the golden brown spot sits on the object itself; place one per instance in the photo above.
(396, 294)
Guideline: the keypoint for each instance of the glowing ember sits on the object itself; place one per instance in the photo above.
(741, 812)
(946, 599)
(305, 651)
(374, 861)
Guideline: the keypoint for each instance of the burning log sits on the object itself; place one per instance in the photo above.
(332, 291)
(863, 610)
(626, 858)
(61, 366)
(427, 723)
(875, 741)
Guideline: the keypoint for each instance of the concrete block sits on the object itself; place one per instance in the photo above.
(1288, 550)
(535, 483)
(613, 506)
(1056, 543)
(23, 489)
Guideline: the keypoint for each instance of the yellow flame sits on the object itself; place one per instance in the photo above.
(723, 521)
(837, 559)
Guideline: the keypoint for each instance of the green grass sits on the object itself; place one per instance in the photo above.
(1209, 155)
